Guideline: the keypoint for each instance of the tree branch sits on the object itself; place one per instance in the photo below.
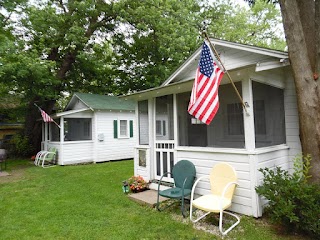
(62, 6)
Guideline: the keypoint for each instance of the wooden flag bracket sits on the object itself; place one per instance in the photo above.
(245, 105)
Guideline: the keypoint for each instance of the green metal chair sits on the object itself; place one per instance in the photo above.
(47, 156)
(184, 174)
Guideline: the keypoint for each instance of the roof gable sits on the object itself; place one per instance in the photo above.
(99, 102)
(233, 56)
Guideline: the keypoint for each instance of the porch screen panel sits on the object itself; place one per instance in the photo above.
(158, 163)
(143, 122)
(269, 119)
(226, 129)
(164, 118)
(77, 129)
(54, 132)
(165, 163)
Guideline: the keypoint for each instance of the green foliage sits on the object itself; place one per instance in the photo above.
(109, 47)
(19, 146)
(301, 166)
(159, 36)
(259, 25)
(293, 202)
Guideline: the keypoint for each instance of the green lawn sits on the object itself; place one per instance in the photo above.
(86, 202)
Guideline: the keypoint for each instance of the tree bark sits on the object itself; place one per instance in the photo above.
(307, 88)
(33, 123)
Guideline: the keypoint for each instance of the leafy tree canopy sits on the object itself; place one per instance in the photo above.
(52, 47)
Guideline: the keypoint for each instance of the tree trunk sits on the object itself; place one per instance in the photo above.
(307, 88)
(33, 123)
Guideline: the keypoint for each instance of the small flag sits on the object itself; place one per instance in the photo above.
(204, 99)
(45, 116)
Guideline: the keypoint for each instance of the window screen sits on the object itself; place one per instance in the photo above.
(164, 118)
(226, 129)
(143, 117)
(77, 129)
(269, 118)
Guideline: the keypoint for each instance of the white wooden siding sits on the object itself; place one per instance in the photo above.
(94, 150)
(77, 152)
(291, 117)
(139, 170)
(114, 148)
(231, 58)
(79, 105)
(204, 161)
(246, 164)
(85, 114)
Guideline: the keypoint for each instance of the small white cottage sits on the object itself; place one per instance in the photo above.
(267, 136)
(93, 128)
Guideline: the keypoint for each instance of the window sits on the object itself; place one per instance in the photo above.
(77, 129)
(164, 118)
(122, 128)
(160, 128)
(143, 122)
(259, 117)
(226, 129)
(54, 132)
(235, 119)
(196, 121)
(269, 119)
(142, 158)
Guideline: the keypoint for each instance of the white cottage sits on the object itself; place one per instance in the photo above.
(266, 137)
(94, 128)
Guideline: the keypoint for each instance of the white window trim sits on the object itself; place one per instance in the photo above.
(128, 129)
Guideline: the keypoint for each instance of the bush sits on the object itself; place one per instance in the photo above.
(19, 146)
(293, 202)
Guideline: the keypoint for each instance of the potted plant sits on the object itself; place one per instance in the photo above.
(137, 184)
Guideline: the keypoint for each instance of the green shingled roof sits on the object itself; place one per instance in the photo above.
(104, 102)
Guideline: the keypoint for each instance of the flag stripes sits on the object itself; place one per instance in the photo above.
(204, 99)
(45, 116)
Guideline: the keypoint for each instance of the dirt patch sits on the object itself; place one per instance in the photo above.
(14, 175)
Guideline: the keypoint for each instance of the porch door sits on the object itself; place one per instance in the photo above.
(164, 132)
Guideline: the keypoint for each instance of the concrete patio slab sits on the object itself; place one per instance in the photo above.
(148, 198)
(3, 174)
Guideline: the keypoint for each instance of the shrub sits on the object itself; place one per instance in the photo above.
(293, 202)
(19, 146)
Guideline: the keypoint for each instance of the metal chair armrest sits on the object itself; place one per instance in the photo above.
(166, 173)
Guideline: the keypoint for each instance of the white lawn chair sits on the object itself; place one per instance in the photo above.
(46, 156)
(223, 183)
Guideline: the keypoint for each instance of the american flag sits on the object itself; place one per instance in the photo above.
(45, 116)
(204, 99)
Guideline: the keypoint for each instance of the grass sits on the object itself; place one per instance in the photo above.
(86, 202)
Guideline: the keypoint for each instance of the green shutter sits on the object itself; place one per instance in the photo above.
(115, 128)
(131, 128)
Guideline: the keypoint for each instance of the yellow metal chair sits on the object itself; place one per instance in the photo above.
(223, 181)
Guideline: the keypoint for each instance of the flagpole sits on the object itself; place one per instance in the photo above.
(225, 70)
(52, 118)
